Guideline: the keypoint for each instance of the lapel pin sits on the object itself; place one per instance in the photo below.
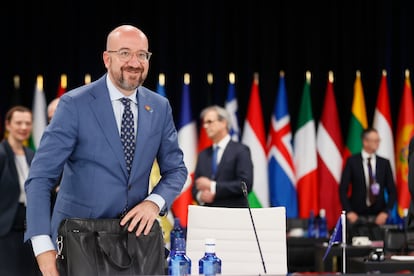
(148, 108)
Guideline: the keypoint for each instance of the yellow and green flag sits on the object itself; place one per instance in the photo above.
(358, 121)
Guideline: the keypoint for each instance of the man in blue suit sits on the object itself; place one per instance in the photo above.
(83, 140)
(219, 178)
(365, 203)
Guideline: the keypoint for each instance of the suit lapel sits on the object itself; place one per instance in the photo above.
(361, 170)
(224, 157)
(12, 166)
(103, 110)
(378, 169)
(144, 125)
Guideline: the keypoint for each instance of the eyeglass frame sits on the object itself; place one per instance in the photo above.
(209, 122)
(131, 54)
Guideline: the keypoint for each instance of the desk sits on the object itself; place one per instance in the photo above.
(301, 252)
(362, 265)
(333, 261)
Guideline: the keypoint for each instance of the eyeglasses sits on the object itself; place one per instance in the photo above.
(373, 140)
(126, 55)
(209, 122)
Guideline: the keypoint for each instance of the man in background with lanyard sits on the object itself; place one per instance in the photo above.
(365, 180)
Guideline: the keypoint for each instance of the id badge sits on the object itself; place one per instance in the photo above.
(375, 188)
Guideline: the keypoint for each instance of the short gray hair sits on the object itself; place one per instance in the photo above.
(222, 114)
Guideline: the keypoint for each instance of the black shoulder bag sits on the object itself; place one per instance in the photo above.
(102, 247)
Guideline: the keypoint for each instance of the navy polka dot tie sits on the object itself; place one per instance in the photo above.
(128, 133)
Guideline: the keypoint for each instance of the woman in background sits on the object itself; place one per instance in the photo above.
(16, 257)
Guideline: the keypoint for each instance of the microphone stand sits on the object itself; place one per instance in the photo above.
(244, 188)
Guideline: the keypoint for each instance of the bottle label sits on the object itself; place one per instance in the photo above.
(180, 268)
(210, 270)
(210, 267)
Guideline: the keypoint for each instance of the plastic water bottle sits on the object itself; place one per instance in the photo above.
(176, 232)
(404, 219)
(209, 264)
(322, 225)
(179, 264)
(312, 226)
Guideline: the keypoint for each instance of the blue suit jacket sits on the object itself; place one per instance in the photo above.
(235, 166)
(83, 141)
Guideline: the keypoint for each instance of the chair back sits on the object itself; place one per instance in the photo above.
(394, 241)
(236, 243)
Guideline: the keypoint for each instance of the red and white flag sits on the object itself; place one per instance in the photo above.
(254, 136)
(329, 147)
(187, 140)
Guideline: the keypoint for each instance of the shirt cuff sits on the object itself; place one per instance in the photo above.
(157, 199)
(213, 187)
(41, 243)
(198, 197)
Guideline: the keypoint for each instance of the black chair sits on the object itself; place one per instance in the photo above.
(367, 229)
(300, 250)
(409, 238)
(395, 242)
(292, 223)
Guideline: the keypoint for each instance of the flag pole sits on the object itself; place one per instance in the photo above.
(343, 221)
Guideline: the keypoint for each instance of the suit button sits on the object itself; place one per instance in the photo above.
(129, 187)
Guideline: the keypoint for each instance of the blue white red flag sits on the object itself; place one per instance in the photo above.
(280, 156)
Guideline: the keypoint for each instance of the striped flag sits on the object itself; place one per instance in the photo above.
(203, 140)
(51, 107)
(280, 155)
(358, 121)
(405, 130)
(305, 156)
(231, 106)
(255, 138)
(16, 97)
(187, 140)
(329, 148)
(166, 222)
(39, 114)
(382, 122)
(62, 85)
(161, 85)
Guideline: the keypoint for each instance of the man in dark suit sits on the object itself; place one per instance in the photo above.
(410, 214)
(362, 189)
(219, 182)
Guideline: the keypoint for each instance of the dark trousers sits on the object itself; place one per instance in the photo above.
(364, 226)
(16, 257)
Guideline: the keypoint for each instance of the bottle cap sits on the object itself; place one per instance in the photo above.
(210, 241)
(322, 213)
(210, 245)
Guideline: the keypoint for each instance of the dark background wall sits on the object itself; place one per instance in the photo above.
(199, 37)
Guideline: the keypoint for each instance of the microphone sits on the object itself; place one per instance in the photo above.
(244, 189)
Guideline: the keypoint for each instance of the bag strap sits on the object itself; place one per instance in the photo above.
(106, 244)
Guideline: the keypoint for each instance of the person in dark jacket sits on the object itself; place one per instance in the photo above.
(365, 181)
(16, 257)
(219, 183)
